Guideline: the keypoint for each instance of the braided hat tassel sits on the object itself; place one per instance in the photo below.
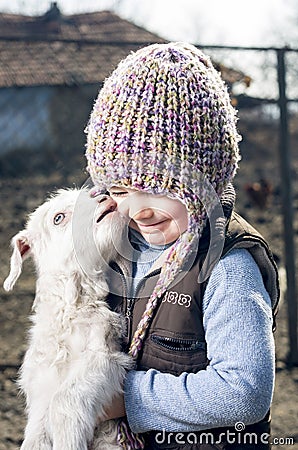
(127, 439)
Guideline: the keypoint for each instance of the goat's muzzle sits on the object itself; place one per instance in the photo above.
(106, 205)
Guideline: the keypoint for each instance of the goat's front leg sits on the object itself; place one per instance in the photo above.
(38, 386)
(36, 433)
(73, 416)
(76, 407)
(40, 441)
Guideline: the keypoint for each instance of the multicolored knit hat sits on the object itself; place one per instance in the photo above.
(163, 123)
(163, 117)
(163, 106)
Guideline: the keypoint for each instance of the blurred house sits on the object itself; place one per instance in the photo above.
(51, 69)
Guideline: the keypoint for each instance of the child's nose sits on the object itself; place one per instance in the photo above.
(145, 213)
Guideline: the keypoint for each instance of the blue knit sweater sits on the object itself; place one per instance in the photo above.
(238, 383)
(143, 257)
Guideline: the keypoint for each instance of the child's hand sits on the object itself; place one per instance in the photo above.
(116, 409)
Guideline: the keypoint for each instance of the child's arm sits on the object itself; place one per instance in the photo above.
(238, 383)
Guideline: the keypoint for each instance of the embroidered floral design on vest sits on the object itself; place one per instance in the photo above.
(176, 298)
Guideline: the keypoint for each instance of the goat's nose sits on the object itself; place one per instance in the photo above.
(102, 198)
(106, 202)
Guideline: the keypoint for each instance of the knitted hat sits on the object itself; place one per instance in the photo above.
(163, 123)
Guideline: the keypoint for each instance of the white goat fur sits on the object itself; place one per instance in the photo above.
(73, 367)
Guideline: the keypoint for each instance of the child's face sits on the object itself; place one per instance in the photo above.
(159, 219)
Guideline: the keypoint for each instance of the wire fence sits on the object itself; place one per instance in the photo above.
(42, 126)
(49, 112)
(261, 65)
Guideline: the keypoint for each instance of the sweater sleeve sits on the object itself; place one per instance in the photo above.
(238, 383)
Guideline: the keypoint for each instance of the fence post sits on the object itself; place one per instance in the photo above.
(287, 206)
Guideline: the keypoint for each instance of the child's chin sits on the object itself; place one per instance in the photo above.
(155, 238)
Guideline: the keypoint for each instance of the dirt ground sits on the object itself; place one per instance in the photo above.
(19, 195)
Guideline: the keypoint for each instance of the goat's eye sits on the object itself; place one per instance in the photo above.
(59, 218)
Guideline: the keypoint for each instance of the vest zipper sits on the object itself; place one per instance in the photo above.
(129, 301)
(178, 344)
(149, 275)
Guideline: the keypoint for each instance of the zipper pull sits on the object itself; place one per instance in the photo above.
(128, 316)
(129, 307)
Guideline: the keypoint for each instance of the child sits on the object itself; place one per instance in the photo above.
(200, 286)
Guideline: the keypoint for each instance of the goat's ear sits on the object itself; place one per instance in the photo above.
(21, 251)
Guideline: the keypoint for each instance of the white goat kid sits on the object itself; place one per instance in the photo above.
(73, 367)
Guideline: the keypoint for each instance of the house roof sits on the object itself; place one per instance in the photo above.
(54, 49)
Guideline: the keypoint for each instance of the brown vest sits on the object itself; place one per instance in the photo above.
(175, 341)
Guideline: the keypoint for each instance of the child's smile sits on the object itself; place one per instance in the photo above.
(160, 219)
